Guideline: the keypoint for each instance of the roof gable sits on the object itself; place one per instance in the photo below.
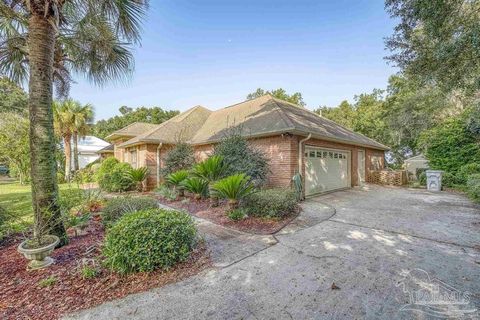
(132, 130)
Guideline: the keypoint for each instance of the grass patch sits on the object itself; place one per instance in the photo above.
(17, 200)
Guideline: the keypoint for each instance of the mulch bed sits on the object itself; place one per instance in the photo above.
(21, 296)
(202, 209)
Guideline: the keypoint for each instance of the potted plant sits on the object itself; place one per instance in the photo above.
(39, 248)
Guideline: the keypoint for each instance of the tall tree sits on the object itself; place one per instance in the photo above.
(44, 41)
(128, 116)
(64, 124)
(14, 145)
(83, 118)
(295, 98)
(344, 114)
(12, 97)
(437, 41)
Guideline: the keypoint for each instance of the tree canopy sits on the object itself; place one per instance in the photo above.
(437, 41)
(12, 97)
(279, 93)
(129, 115)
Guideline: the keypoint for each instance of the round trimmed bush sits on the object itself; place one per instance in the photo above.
(112, 176)
(148, 240)
(271, 203)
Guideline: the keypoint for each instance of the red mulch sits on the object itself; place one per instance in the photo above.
(21, 296)
(202, 209)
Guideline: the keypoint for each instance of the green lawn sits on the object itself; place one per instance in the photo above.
(17, 200)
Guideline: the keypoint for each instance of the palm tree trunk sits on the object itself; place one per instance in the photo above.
(75, 152)
(67, 141)
(41, 44)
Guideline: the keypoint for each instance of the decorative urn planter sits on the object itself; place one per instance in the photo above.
(39, 256)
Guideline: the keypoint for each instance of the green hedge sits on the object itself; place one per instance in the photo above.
(112, 176)
(271, 203)
(473, 187)
(148, 240)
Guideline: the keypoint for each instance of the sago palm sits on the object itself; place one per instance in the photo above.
(211, 169)
(44, 42)
(234, 188)
(197, 186)
(176, 179)
(139, 177)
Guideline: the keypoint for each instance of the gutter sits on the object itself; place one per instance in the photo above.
(158, 163)
(300, 153)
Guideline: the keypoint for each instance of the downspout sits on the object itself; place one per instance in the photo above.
(158, 163)
(300, 156)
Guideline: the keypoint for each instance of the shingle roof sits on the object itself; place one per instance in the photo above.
(107, 149)
(179, 128)
(258, 117)
(132, 130)
(267, 115)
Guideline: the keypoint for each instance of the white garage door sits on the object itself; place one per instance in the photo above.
(326, 170)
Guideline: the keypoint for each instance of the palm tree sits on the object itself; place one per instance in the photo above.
(83, 119)
(64, 124)
(44, 42)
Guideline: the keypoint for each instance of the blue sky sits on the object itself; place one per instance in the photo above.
(214, 52)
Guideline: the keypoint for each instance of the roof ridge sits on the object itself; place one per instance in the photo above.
(246, 100)
(285, 117)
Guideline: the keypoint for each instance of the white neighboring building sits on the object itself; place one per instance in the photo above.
(87, 150)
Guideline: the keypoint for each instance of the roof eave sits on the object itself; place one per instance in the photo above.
(343, 141)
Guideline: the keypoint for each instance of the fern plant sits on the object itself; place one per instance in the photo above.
(138, 177)
(176, 180)
(211, 169)
(234, 188)
(197, 186)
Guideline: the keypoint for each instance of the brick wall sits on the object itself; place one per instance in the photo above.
(282, 151)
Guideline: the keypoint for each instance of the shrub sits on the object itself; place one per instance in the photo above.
(450, 145)
(271, 203)
(150, 239)
(467, 170)
(113, 176)
(240, 157)
(117, 207)
(71, 198)
(473, 187)
(138, 177)
(181, 157)
(85, 175)
(176, 180)
(237, 214)
(197, 186)
(166, 193)
(234, 188)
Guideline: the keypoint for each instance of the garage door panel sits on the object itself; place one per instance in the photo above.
(326, 170)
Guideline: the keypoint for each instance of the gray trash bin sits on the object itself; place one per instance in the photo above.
(434, 180)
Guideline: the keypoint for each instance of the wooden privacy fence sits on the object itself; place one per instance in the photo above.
(387, 177)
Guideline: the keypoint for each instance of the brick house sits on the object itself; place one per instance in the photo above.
(329, 156)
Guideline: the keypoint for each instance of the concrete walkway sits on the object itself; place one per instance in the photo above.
(380, 246)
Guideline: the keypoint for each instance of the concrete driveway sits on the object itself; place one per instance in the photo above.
(386, 249)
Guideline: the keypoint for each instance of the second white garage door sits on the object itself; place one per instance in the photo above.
(326, 170)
